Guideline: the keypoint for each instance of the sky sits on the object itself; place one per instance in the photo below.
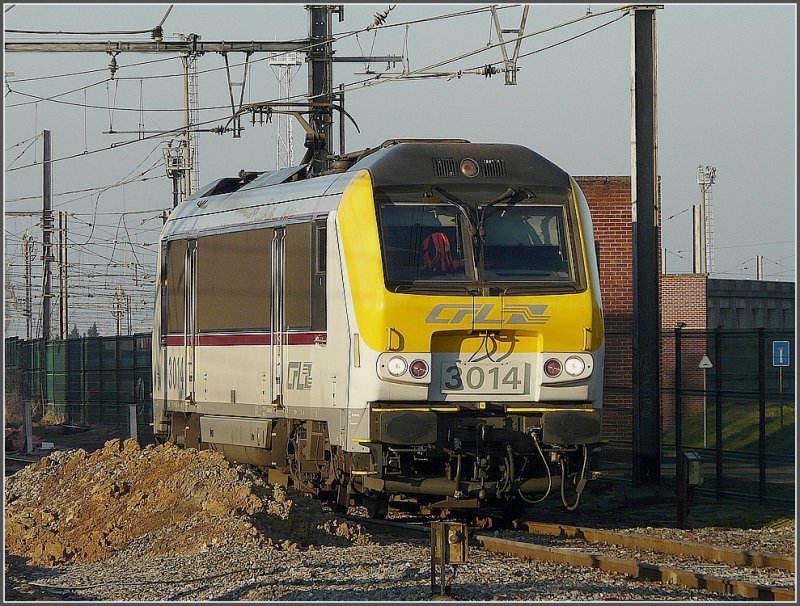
(726, 98)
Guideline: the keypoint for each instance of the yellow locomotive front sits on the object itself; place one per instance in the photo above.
(472, 280)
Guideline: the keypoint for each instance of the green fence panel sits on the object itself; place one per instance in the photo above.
(126, 352)
(92, 387)
(91, 353)
(57, 387)
(75, 354)
(143, 351)
(108, 354)
(57, 356)
(75, 387)
(108, 386)
(125, 386)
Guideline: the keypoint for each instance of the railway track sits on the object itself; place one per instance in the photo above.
(723, 570)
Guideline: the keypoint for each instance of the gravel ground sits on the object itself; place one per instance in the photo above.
(392, 571)
(389, 569)
(241, 540)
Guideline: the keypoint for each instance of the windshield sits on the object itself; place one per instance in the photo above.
(518, 242)
(423, 242)
(526, 243)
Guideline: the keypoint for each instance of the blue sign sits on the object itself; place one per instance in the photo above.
(780, 353)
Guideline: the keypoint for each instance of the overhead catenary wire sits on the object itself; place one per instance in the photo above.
(94, 33)
(372, 81)
(125, 143)
(303, 49)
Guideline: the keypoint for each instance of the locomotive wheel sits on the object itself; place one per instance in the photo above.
(377, 506)
(177, 429)
(342, 498)
(193, 431)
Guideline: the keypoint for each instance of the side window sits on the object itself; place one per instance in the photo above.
(298, 275)
(318, 299)
(176, 257)
(233, 281)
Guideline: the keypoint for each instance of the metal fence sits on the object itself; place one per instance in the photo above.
(91, 380)
(728, 395)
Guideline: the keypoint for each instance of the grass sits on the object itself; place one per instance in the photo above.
(740, 427)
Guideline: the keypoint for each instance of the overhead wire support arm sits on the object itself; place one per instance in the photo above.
(157, 46)
(237, 126)
(275, 107)
(510, 63)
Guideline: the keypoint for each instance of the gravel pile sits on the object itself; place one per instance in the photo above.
(73, 507)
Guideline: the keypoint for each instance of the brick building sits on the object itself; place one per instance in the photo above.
(699, 302)
(609, 200)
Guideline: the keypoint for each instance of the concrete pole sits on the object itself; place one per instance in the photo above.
(645, 219)
(28, 426)
(28, 253)
(699, 240)
(47, 229)
(133, 430)
(47, 257)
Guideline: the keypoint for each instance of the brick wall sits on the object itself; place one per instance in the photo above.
(609, 200)
(683, 299)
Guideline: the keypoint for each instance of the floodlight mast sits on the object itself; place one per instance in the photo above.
(704, 222)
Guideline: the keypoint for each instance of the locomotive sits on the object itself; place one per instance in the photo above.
(420, 324)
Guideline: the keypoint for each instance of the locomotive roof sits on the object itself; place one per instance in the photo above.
(265, 200)
(250, 206)
(407, 162)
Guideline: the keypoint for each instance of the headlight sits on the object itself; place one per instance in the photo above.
(469, 168)
(552, 368)
(574, 366)
(418, 369)
(397, 366)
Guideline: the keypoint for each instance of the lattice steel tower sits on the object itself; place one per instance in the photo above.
(284, 66)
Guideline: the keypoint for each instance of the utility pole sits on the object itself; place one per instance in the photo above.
(320, 81)
(341, 120)
(47, 256)
(27, 248)
(47, 229)
(116, 310)
(62, 275)
(645, 218)
(759, 267)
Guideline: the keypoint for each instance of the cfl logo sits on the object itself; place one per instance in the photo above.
(299, 375)
(446, 313)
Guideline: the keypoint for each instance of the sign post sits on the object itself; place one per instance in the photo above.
(705, 364)
(780, 358)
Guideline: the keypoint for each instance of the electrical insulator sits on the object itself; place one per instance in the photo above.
(490, 70)
(380, 18)
(113, 65)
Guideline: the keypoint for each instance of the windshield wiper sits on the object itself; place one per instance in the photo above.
(510, 197)
(476, 217)
(434, 288)
(444, 196)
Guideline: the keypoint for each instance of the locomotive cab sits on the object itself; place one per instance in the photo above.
(487, 333)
